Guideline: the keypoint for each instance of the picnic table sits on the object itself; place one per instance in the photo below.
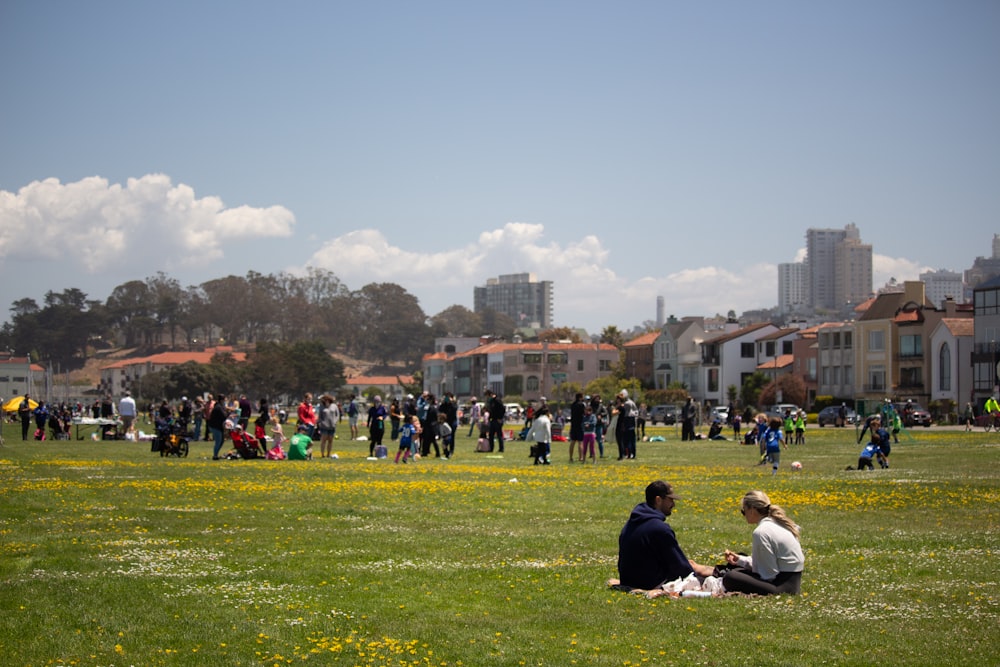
(97, 424)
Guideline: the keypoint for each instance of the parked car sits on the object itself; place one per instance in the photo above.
(719, 412)
(915, 415)
(780, 409)
(830, 415)
(663, 414)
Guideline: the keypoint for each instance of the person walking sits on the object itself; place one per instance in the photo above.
(326, 423)
(475, 414)
(127, 411)
(576, 412)
(217, 424)
(376, 424)
(24, 414)
(688, 414)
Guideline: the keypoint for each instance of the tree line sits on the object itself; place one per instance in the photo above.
(380, 321)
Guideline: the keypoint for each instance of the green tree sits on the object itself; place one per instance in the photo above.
(168, 302)
(613, 336)
(457, 321)
(497, 324)
(793, 390)
(129, 308)
(558, 334)
(269, 372)
(314, 369)
(228, 303)
(395, 326)
(752, 386)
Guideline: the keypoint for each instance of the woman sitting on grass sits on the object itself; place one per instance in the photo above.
(776, 561)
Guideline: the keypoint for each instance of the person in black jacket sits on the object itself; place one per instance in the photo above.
(688, 414)
(496, 409)
(648, 553)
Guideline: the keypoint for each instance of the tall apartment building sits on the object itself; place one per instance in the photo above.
(852, 271)
(941, 284)
(839, 267)
(793, 286)
(520, 296)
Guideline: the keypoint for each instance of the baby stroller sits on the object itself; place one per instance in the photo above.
(171, 438)
(247, 446)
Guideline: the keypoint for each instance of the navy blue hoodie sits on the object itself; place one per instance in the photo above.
(648, 553)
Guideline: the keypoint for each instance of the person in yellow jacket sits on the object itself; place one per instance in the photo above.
(800, 428)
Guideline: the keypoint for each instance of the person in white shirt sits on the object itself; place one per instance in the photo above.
(775, 563)
(127, 411)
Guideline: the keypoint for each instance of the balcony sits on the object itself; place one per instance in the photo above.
(914, 386)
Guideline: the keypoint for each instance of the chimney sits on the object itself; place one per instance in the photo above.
(913, 290)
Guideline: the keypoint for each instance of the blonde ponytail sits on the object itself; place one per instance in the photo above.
(759, 502)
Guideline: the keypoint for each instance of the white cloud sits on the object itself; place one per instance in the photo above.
(588, 292)
(885, 268)
(147, 222)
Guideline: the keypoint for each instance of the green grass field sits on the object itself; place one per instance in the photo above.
(110, 555)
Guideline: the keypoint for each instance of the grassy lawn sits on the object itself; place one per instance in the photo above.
(110, 555)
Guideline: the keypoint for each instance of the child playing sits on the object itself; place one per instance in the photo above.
(873, 448)
(406, 433)
(774, 439)
(541, 433)
(446, 435)
(589, 435)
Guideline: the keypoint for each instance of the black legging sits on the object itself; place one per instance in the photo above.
(496, 431)
(375, 431)
(743, 580)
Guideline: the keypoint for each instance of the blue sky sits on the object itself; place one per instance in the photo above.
(621, 150)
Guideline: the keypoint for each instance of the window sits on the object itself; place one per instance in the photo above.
(786, 347)
(876, 378)
(769, 348)
(532, 358)
(579, 365)
(986, 302)
(746, 350)
(911, 377)
(848, 340)
(944, 368)
(496, 368)
(557, 358)
(531, 384)
(876, 341)
(910, 346)
(836, 338)
(713, 379)
(604, 365)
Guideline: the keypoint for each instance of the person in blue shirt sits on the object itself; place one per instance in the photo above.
(873, 449)
(774, 439)
(406, 436)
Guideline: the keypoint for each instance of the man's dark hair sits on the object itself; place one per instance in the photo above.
(657, 489)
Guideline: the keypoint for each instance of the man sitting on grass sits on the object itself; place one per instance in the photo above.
(648, 553)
